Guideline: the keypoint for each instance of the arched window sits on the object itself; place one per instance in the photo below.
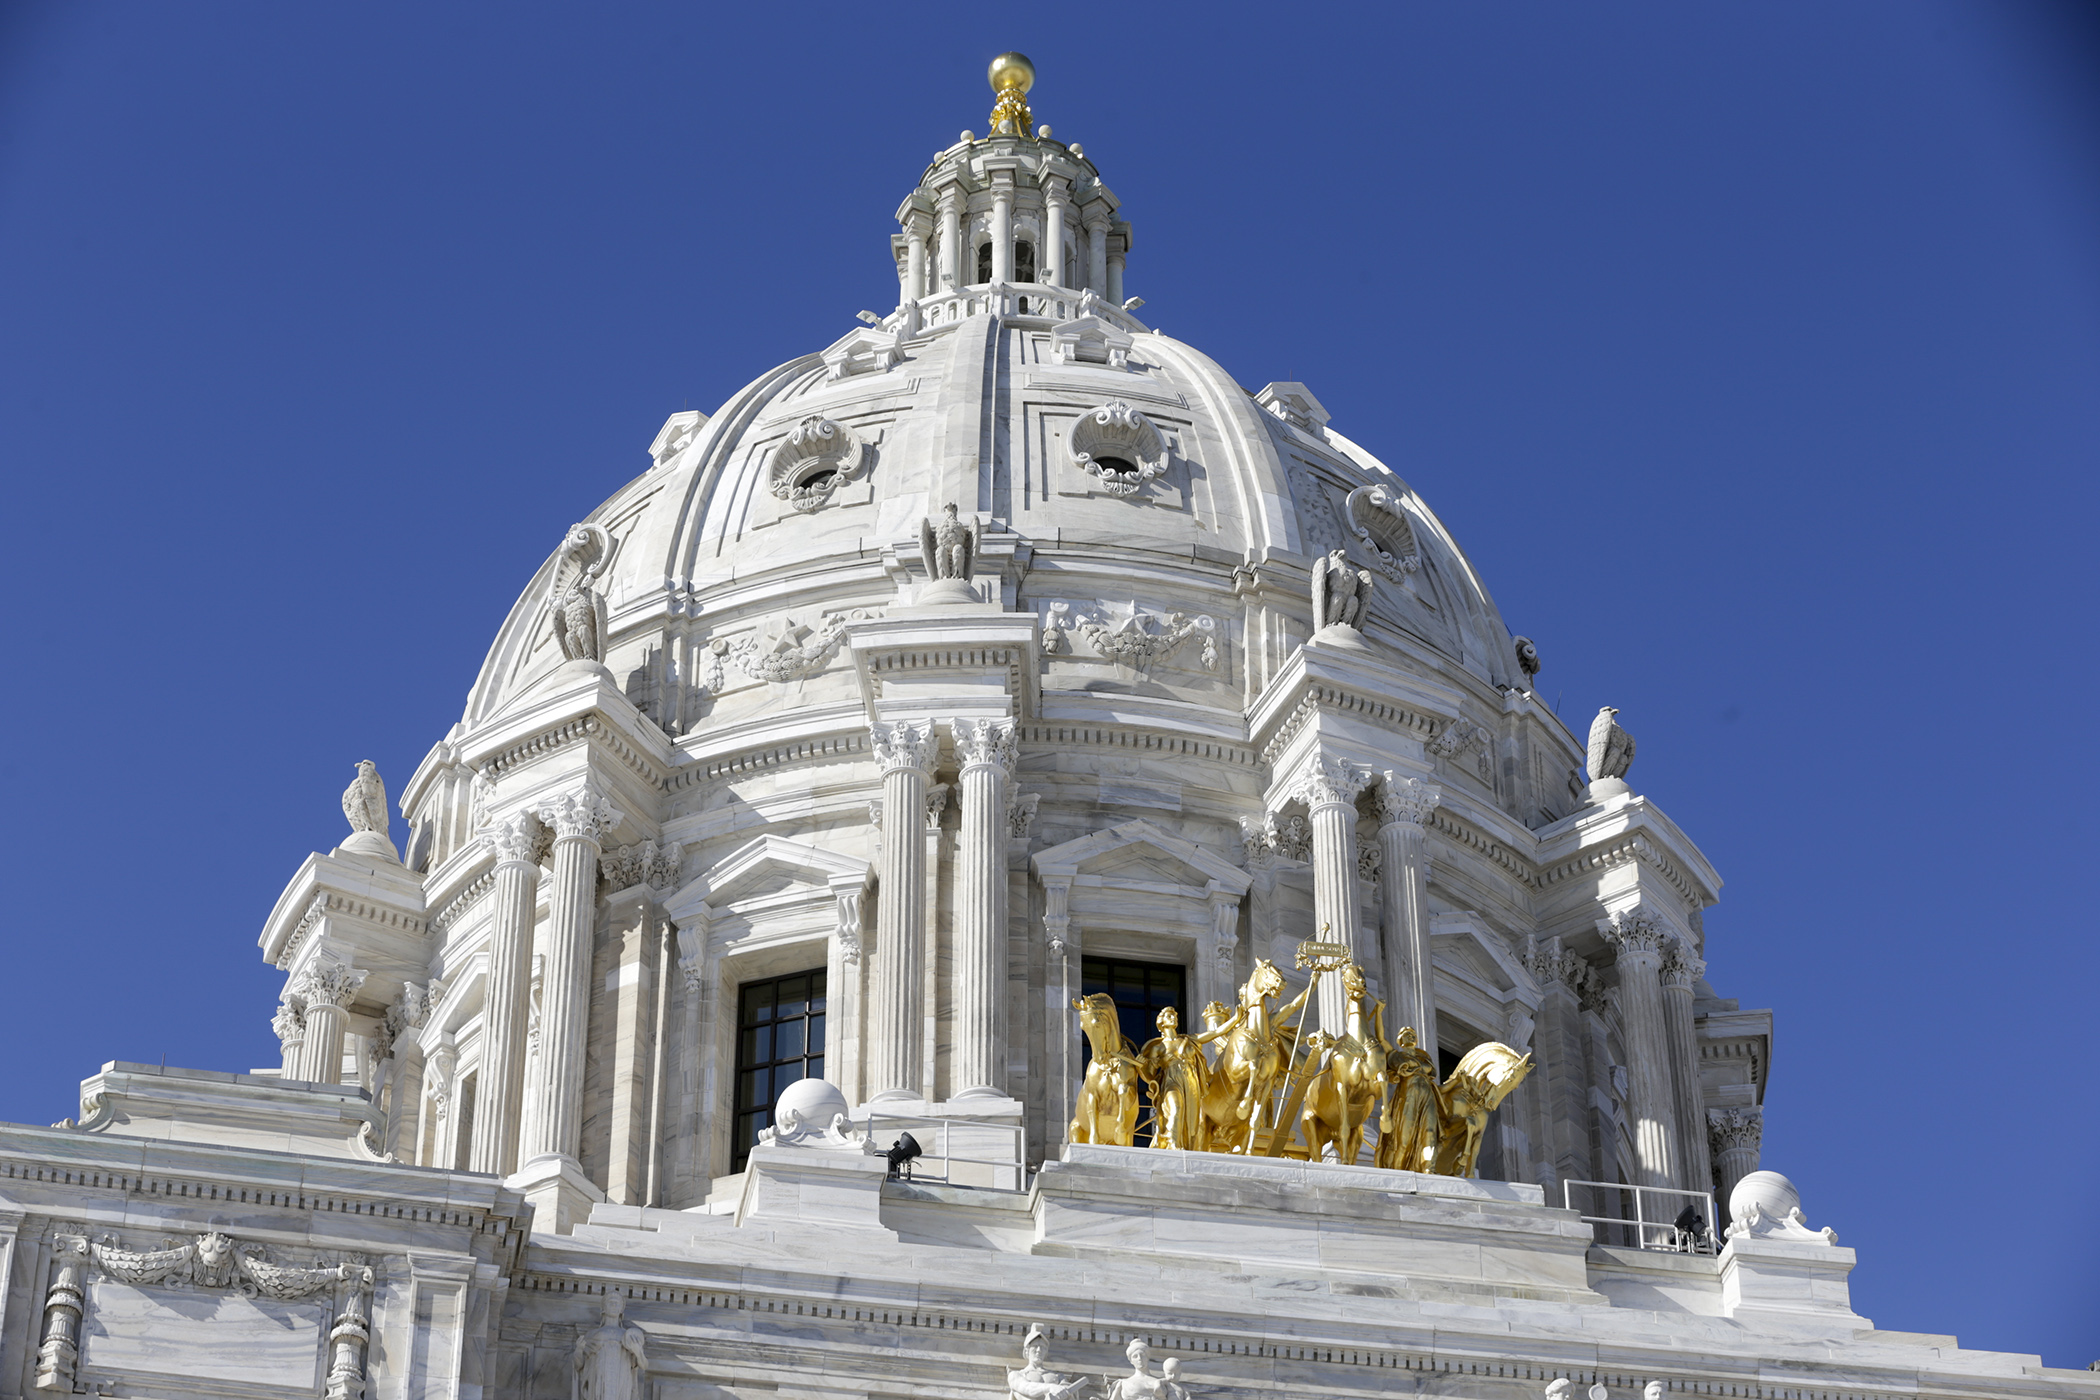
(1024, 261)
(984, 262)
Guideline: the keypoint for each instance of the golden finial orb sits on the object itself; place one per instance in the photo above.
(1011, 70)
(1011, 76)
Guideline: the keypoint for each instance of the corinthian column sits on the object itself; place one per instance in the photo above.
(1681, 971)
(951, 238)
(905, 752)
(1650, 1092)
(985, 751)
(325, 989)
(1329, 789)
(1002, 233)
(1050, 261)
(1735, 1134)
(578, 819)
(1404, 803)
(500, 1093)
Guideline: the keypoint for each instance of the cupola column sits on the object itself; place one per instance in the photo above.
(1003, 233)
(1097, 251)
(905, 751)
(1329, 790)
(951, 238)
(578, 819)
(985, 750)
(915, 257)
(1404, 804)
(1651, 1095)
(500, 1090)
(1681, 971)
(1050, 258)
(1116, 252)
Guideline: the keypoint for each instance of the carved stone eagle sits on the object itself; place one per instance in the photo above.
(948, 546)
(1341, 596)
(364, 801)
(1611, 748)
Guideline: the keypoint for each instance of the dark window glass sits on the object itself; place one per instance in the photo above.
(1024, 261)
(1141, 991)
(984, 262)
(780, 1039)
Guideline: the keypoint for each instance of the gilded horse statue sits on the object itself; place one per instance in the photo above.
(1108, 1097)
(1344, 1094)
(1254, 1053)
(1475, 1089)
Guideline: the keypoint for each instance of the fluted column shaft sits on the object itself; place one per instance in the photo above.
(1681, 971)
(578, 819)
(905, 752)
(500, 1093)
(1650, 1092)
(1002, 234)
(1050, 261)
(1404, 804)
(1097, 255)
(951, 240)
(324, 990)
(1329, 790)
(985, 751)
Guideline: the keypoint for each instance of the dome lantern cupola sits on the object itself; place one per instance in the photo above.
(1010, 221)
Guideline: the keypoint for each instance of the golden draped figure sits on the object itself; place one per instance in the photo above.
(1263, 1089)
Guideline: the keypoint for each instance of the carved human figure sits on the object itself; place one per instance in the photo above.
(949, 547)
(1032, 1381)
(1170, 1386)
(364, 801)
(1140, 1384)
(1409, 1129)
(611, 1360)
(1341, 594)
(1176, 1073)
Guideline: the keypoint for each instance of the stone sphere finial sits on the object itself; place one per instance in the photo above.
(1011, 70)
(807, 1103)
(1769, 1191)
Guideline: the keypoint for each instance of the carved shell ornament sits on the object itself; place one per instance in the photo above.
(1118, 446)
(1378, 522)
(813, 461)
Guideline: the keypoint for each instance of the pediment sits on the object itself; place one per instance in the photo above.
(1136, 850)
(1145, 863)
(768, 868)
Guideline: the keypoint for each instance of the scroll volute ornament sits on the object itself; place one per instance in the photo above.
(816, 458)
(1118, 446)
(578, 610)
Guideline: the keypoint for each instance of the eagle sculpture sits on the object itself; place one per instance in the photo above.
(1611, 748)
(364, 801)
(1341, 595)
(949, 547)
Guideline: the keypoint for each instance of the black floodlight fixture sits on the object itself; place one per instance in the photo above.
(900, 1155)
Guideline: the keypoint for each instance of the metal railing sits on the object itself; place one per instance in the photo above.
(1653, 1223)
(950, 1162)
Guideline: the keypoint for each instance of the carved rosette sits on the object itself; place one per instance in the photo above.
(1119, 447)
(1402, 798)
(904, 744)
(816, 458)
(581, 815)
(985, 743)
(1382, 527)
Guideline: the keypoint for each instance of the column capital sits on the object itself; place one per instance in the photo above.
(290, 1021)
(950, 198)
(518, 839)
(1731, 1129)
(330, 984)
(1331, 782)
(985, 743)
(904, 745)
(1637, 935)
(579, 815)
(1681, 968)
(1402, 798)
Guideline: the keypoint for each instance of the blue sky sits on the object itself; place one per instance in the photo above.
(1752, 352)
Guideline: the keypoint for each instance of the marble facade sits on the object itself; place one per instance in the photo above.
(1184, 676)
